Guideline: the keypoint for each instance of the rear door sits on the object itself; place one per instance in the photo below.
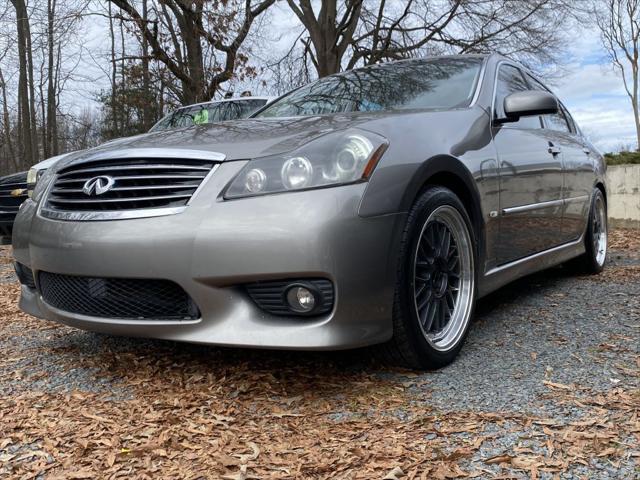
(578, 168)
(530, 177)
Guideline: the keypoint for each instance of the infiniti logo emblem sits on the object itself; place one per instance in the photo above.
(98, 185)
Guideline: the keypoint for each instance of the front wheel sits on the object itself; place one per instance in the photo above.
(436, 285)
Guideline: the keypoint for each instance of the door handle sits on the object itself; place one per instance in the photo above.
(553, 150)
(586, 150)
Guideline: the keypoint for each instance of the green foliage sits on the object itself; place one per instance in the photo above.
(123, 113)
(622, 158)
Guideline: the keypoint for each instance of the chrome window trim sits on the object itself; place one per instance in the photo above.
(480, 82)
(563, 110)
(162, 153)
(495, 92)
(536, 206)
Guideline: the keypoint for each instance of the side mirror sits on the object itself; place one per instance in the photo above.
(529, 103)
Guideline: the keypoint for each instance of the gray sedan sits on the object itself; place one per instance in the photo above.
(370, 207)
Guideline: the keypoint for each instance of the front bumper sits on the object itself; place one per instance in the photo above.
(6, 226)
(214, 247)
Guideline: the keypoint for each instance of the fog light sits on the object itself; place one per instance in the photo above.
(301, 299)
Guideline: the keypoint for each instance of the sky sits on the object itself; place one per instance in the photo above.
(595, 96)
(591, 90)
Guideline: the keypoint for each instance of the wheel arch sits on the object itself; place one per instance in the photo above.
(449, 172)
(601, 186)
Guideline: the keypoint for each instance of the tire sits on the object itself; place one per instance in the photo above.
(593, 260)
(434, 270)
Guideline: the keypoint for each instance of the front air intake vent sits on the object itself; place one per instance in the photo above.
(25, 275)
(117, 298)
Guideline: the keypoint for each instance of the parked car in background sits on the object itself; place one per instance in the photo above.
(13, 191)
(211, 112)
(38, 170)
(370, 207)
(201, 113)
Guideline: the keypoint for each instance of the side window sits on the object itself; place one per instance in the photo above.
(181, 118)
(216, 112)
(572, 124)
(559, 121)
(510, 80)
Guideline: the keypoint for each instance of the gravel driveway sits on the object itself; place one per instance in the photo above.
(547, 386)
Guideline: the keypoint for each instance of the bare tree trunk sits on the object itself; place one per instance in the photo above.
(41, 105)
(191, 18)
(114, 72)
(51, 118)
(329, 35)
(32, 96)
(24, 114)
(636, 116)
(146, 83)
(124, 118)
(634, 79)
(6, 120)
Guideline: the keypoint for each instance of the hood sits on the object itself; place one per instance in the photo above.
(20, 177)
(241, 139)
(49, 162)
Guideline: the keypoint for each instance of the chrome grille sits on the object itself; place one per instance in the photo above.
(13, 191)
(140, 183)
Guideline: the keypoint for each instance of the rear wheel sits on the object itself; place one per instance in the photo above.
(436, 285)
(595, 239)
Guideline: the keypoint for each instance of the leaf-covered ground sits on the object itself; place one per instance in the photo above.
(547, 386)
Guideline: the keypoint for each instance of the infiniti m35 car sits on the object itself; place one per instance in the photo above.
(370, 207)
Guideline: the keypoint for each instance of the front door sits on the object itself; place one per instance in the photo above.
(531, 178)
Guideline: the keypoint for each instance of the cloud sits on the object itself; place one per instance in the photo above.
(594, 94)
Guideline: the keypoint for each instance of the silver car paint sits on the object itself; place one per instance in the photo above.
(205, 250)
(349, 234)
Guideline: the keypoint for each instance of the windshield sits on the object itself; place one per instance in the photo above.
(209, 113)
(415, 84)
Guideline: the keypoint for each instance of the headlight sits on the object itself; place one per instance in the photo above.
(333, 159)
(33, 176)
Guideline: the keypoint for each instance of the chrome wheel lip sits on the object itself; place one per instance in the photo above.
(447, 338)
(600, 230)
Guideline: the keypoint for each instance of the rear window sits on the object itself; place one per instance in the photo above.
(210, 113)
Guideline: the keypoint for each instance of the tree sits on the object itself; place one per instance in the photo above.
(190, 36)
(132, 102)
(360, 32)
(6, 123)
(330, 31)
(619, 25)
(51, 130)
(26, 109)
